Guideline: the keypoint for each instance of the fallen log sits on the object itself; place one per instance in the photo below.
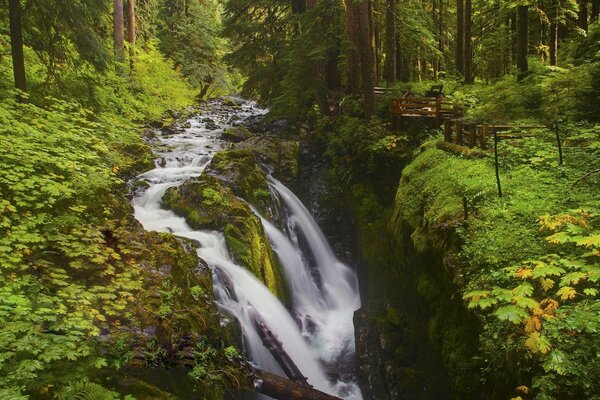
(284, 389)
(275, 347)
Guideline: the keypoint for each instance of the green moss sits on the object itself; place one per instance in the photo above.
(207, 203)
(280, 154)
(240, 171)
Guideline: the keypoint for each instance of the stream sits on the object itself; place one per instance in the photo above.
(317, 330)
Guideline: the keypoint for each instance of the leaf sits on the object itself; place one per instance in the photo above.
(589, 241)
(590, 292)
(523, 290)
(547, 283)
(543, 270)
(572, 278)
(533, 324)
(566, 293)
(511, 313)
(537, 343)
(557, 362)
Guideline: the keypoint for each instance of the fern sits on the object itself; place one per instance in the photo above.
(87, 391)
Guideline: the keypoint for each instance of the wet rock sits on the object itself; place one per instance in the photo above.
(236, 134)
(207, 203)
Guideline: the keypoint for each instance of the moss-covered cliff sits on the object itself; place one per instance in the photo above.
(501, 291)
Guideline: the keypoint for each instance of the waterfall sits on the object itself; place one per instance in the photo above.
(319, 329)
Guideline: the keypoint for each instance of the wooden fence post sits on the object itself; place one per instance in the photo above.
(496, 163)
(484, 134)
(447, 130)
(560, 154)
(459, 132)
(472, 135)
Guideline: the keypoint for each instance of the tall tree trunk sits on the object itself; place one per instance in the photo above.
(390, 42)
(352, 30)
(522, 40)
(553, 42)
(440, 27)
(131, 29)
(119, 32)
(366, 58)
(298, 6)
(460, 36)
(16, 44)
(582, 16)
(595, 10)
(468, 58)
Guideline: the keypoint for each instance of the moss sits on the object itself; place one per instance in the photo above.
(279, 154)
(240, 171)
(236, 134)
(207, 203)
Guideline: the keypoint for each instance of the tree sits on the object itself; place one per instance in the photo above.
(595, 10)
(460, 36)
(16, 44)
(468, 57)
(522, 40)
(390, 42)
(366, 57)
(119, 32)
(131, 28)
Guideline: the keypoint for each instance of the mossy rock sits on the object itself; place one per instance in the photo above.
(279, 154)
(236, 134)
(228, 102)
(239, 170)
(207, 203)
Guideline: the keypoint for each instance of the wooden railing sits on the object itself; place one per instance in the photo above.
(427, 107)
(471, 134)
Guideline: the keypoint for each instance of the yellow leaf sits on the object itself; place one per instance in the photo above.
(566, 293)
(522, 389)
(523, 273)
(533, 324)
(547, 283)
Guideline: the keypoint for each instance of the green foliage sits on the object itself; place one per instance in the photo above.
(87, 391)
(360, 150)
(58, 210)
(189, 35)
(259, 32)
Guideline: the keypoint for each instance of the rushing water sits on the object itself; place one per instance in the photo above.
(317, 333)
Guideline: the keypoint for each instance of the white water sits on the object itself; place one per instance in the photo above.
(323, 311)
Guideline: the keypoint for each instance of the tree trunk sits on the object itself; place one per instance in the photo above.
(582, 16)
(131, 30)
(553, 42)
(119, 33)
(16, 44)
(468, 58)
(353, 57)
(280, 388)
(131, 23)
(595, 10)
(366, 58)
(460, 37)
(443, 60)
(522, 40)
(390, 42)
(298, 6)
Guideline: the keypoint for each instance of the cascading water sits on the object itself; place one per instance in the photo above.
(318, 335)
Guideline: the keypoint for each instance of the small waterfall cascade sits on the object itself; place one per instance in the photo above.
(317, 333)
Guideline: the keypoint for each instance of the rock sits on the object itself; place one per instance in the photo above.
(236, 134)
(239, 170)
(229, 102)
(207, 203)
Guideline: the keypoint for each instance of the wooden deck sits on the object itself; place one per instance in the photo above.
(425, 107)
